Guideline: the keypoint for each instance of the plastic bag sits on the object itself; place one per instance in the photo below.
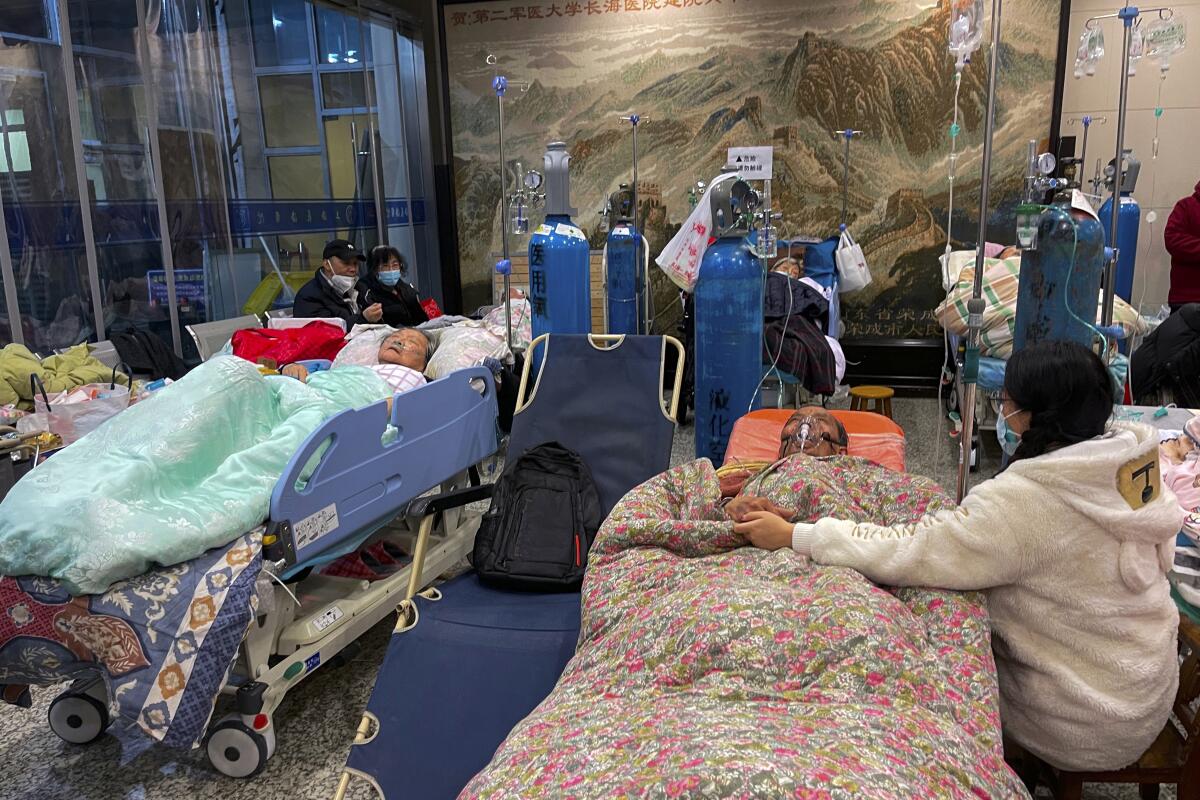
(73, 414)
(853, 272)
(683, 255)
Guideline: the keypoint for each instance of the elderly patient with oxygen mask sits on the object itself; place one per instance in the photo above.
(398, 356)
(1071, 543)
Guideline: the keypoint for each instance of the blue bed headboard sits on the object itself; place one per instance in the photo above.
(360, 483)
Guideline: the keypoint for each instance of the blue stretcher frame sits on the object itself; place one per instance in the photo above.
(364, 479)
(416, 469)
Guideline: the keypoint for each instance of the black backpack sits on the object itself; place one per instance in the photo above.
(146, 354)
(544, 515)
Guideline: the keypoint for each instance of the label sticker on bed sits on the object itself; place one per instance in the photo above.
(1139, 482)
(326, 619)
(312, 662)
(311, 528)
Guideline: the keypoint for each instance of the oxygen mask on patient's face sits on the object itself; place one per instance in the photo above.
(806, 437)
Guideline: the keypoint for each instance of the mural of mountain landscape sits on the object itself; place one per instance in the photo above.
(708, 75)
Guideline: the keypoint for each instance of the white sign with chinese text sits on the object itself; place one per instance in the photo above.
(753, 163)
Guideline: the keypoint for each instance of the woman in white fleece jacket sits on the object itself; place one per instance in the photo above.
(1072, 544)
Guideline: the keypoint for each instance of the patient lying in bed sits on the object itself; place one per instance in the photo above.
(399, 357)
(169, 479)
(709, 669)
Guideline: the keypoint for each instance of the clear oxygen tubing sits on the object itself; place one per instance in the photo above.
(975, 306)
(955, 129)
(782, 340)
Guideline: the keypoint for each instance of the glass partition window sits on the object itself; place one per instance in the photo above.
(104, 25)
(346, 90)
(115, 128)
(340, 39)
(27, 18)
(280, 32)
(39, 193)
(14, 142)
(221, 142)
(289, 114)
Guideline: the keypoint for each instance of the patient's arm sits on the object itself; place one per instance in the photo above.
(972, 547)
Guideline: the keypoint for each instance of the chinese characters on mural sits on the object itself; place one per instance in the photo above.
(591, 8)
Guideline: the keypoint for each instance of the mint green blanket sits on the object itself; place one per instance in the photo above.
(189, 469)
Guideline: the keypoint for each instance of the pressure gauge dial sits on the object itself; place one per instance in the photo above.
(533, 180)
(1046, 163)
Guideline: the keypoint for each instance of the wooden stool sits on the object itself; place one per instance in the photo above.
(880, 398)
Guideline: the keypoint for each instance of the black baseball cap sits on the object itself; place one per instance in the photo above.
(340, 248)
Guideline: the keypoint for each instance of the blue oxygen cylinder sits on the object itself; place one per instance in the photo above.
(560, 294)
(1059, 287)
(623, 266)
(1129, 219)
(729, 331)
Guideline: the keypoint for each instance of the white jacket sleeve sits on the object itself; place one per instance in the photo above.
(978, 545)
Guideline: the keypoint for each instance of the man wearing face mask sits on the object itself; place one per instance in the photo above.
(332, 292)
(385, 284)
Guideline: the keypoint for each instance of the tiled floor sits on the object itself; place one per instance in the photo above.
(317, 721)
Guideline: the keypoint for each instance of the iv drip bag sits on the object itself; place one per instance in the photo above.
(966, 30)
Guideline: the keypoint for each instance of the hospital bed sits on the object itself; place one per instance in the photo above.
(483, 657)
(1001, 298)
(347, 484)
(707, 668)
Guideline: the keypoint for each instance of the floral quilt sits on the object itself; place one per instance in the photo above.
(708, 669)
(163, 642)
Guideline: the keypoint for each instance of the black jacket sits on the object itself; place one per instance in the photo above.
(797, 340)
(318, 299)
(401, 304)
(1169, 359)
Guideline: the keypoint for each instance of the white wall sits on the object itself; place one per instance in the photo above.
(1177, 169)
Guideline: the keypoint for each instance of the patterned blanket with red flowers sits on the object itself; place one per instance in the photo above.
(708, 669)
(163, 642)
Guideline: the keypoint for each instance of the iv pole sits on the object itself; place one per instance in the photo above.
(647, 312)
(504, 265)
(1128, 16)
(848, 134)
(975, 306)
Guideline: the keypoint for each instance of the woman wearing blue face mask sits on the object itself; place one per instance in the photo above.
(1072, 543)
(384, 284)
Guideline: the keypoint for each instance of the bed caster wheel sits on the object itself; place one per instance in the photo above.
(950, 400)
(237, 750)
(78, 718)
